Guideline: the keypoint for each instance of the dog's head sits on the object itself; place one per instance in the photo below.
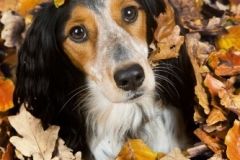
(107, 40)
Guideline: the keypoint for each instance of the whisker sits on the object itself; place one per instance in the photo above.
(71, 98)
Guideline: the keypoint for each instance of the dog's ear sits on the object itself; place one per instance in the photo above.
(41, 68)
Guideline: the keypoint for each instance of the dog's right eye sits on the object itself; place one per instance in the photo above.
(78, 34)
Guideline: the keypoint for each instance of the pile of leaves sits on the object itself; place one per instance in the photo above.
(210, 32)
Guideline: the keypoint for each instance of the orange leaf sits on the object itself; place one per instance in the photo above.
(231, 39)
(233, 142)
(25, 6)
(6, 94)
(136, 150)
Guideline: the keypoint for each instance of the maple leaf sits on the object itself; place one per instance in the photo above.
(34, 141)
(232, 141)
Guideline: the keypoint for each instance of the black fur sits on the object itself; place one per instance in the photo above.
(45, 76)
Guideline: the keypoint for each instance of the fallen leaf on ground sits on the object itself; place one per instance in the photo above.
(136, 150)
(213, 84)
(230, 39)
(6, 94)
(215, 116)
(225, 63)
(232, 141)
(34, 141)
(168, 47)
(212, 143)
(65, 153)
(194, 48)
(14, 25)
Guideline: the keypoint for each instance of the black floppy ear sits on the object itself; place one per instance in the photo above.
(40, 71)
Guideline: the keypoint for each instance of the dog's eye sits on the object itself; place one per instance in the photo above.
(78, 34)
(130, 14)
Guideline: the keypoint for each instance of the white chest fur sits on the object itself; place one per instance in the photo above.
(109, 126)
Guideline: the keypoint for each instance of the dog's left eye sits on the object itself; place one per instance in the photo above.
(130, 14)
(78, 34)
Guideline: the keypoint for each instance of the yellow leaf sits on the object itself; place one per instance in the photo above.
(59, 3)
(136, 150)
(231, 39)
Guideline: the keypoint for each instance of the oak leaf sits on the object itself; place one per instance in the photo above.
(34, 141)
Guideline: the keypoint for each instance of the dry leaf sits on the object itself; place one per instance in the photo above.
(14, 25)
(232, 141)
(231, 39)
(8, 154)
(175, 154)
(165, 23)
(225, 63)
(194, 48)
(215, 116)
(59, 3)
(230, 101)
(136, 150)
(65, 153)
(168, 47)
(34, 141)
(6, 94)
(212, 143)
(213, 84)
(24, 7)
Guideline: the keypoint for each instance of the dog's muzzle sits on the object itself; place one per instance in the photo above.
(129, 78)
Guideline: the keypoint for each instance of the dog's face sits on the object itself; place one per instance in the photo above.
(106, 39)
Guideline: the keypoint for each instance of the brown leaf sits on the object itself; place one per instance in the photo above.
(230, 101)
(9, 153)
(215, 116)
(233, 141)
(213, 84)
(212, 143)
(165, 23)
(168, 47)
(34, 141)
(225, 63)
(136, 150)
(194, 49)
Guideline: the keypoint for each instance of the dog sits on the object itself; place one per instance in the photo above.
(84, 66)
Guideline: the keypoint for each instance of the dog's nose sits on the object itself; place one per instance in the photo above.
(129, 78)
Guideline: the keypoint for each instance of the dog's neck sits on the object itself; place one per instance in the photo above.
(118, 119)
